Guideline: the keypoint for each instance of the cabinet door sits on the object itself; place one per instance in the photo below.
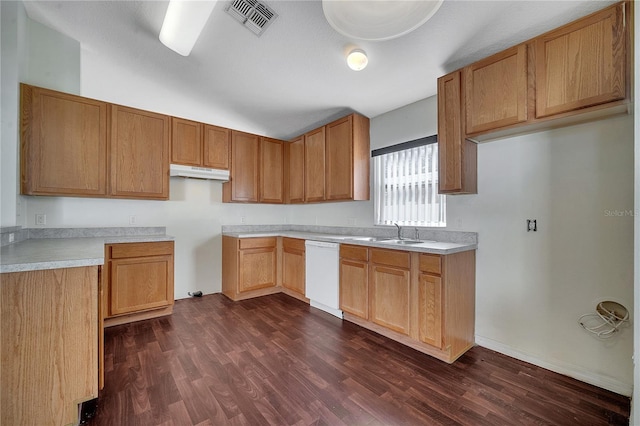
(430, 309)
(581, 64)
(64, 144)
(457, 164)
(314, 151)
(139, 153)
(271, 170)
(496, 90)
(186, 142)
(139, 284)
(244, 166)
(389, 297)
(339, 159)
(294, 166)
(293, 262)
(216, 147)
(354, 287)
(257, 269)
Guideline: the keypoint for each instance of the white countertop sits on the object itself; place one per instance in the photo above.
(53, 253)
(434, 247)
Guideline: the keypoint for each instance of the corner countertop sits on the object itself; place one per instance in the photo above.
(54, 253)
(433, 247)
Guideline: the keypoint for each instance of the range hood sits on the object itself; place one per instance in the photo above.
(198, 172)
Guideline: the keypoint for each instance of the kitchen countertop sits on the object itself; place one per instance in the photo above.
(53, 253)
(433, 247)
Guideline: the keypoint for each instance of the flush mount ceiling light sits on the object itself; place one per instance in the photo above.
(378, 20)
(183, 24)
(357, 59)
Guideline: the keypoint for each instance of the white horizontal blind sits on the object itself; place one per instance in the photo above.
(406, 188)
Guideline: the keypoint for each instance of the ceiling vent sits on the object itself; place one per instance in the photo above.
(254, 15)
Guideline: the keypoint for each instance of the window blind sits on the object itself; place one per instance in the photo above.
(406, 187)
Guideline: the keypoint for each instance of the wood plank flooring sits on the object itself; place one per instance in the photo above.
(276, 361)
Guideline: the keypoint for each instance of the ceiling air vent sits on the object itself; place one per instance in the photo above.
(254, 15)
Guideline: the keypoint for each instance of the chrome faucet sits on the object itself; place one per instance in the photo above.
(399, 230)
(417, 234)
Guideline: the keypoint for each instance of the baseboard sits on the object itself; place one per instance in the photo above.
(559, 367)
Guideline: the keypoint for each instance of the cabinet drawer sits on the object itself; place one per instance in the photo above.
(249, 243)
(401, 259)
(431, 263)
(124, 250)
(293, 244)
(354, 252)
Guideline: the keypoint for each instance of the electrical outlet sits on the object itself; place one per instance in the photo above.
(132, 219)
(243, 219)
(532, 225)
(352, 221)
(41, 219)
(12, 237)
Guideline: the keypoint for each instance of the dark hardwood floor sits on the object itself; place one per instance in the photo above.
(274, 360)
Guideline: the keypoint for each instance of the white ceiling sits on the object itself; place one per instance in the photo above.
(294, 77)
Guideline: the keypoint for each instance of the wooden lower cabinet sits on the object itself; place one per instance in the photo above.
(249, 267)
(430, 309)
(390, 285)
(354, 280)
(293, 267)
(49, 345)
(425, 301)
(138, 281)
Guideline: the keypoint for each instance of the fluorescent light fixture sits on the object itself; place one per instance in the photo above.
(183, 24)
(357, 59)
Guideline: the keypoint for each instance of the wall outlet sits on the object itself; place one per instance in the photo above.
(352, 221)
(41, 219)
(243, 219)
(133, 220)
(12, 237)
(532, 225)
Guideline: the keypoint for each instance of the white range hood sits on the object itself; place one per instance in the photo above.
(198, 172)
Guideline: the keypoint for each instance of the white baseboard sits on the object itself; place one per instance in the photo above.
(566, 369)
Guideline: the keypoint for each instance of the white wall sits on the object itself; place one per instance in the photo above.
(12, 17)
(635, 403)
(530, 287)
(31, 53)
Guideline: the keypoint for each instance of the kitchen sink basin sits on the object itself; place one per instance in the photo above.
(402, 241)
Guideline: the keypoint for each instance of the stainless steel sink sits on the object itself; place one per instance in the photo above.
(402, 241)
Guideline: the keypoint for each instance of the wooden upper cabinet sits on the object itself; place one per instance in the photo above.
(496, 90)
(314, 169)
(581, 64)
(244, 180)
(139, 153)
(347, 158)
(216, 142)
(294, 171)
(186, 142)
(199, 144)
(271, 170)
(63, 144)
(457, 156)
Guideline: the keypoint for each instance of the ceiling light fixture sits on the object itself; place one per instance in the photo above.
(183, 24)
(357, 59)
(378, 20)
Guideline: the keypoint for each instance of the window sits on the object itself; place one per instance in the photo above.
(406, 184)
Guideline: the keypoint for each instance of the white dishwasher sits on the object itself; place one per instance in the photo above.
(322, 275)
